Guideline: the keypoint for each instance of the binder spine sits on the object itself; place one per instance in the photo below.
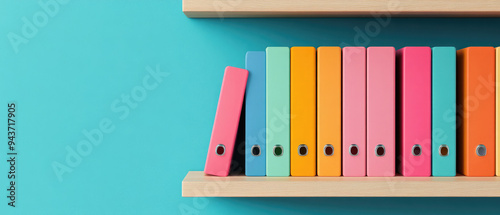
(303, 111)
(354, 111)
(414, 111)
(497, 111)
(380, 88)
(226, 122)
(329, 111)
(255, 115)
(476, 102)
(444, 111)
(277, 111)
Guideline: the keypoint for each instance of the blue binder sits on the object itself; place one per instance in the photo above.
(443, 111)
(255, 115)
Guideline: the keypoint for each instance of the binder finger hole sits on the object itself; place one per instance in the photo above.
(328, 150)
(353, 150)
(481, 150)
(443, 150)
(278, 150)
(416, 150)
(255, 150)
(220, 150)
(302, 150)
(380, 150)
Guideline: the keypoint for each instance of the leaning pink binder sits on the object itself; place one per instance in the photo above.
(414, 85)
(380, 111)
(354, 111)
(220, 150)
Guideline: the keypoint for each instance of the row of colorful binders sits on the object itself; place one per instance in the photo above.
(356, 111)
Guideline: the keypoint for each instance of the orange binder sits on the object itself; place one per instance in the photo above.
(497, 109)
(329, 107)
(303, 111)
(476, 109)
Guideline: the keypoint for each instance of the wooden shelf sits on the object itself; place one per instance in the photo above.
(197, 184)
(320, 8)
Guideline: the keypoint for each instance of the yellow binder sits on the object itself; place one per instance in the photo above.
(303, 111)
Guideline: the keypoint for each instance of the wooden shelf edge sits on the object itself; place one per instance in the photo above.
(339, 8)
(197, 184)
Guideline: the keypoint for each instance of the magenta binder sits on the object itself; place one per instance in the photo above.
(414, 86)
(380, 111)
(354, 111)
(220, 150)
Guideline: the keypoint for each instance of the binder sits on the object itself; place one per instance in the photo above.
(497, 110)
(255, 115)
(303, 111)
(329, 111)
(278, 111)
(354, 111)
(380, 111)
(476, 102)
(443, 111)
(227, 117)
(414, 71)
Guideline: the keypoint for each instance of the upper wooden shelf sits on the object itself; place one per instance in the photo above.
(339, 8)
(197, 184)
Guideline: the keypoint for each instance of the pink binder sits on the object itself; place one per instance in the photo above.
(414, 85)
(354, 111)
(380, 111)
(220, 150)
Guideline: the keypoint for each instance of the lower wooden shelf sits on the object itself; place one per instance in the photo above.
(197, 184)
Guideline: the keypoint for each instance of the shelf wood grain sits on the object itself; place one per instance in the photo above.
(339, 8)
(197, 184)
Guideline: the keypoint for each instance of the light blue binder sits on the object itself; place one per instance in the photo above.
(443, 111)
(255, 115)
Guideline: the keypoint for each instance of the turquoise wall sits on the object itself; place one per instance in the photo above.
(67, 75)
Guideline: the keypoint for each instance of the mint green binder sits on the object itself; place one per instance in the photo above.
(443, 111)
(278, 111)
